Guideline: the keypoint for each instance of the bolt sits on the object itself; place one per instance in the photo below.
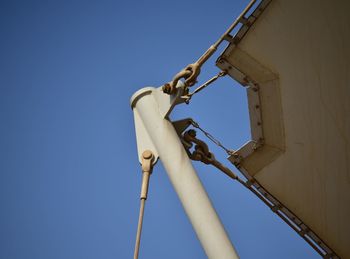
(147, 154)
(245, 81)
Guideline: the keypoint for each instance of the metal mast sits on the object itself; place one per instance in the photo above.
(155, 132)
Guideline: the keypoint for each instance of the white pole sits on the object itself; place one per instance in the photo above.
(183, 177)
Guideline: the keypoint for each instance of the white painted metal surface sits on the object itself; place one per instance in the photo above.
(164, 139)
(298, 52)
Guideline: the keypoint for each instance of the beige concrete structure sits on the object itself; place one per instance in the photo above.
(297, 56)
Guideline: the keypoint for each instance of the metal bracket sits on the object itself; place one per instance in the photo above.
(254, 107)
(166, 104)
(246, 150)
(181, 125)
(202, 153)
(255, 112)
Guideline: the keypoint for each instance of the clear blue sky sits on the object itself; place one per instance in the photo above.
(69, 173)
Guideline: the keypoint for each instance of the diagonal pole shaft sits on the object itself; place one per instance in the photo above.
(147, 103)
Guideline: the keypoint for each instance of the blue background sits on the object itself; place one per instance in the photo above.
(69, 173)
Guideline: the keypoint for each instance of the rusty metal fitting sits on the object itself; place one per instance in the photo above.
(189, 135)
(169, 89)
(201, 150)
(194, 70)
(189, 73)
(245, 81)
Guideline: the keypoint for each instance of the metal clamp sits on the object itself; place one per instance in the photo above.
(147, 166)
(201, 153)
(189, 73)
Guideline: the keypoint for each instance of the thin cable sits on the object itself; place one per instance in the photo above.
(200, 88)
(139, 229)
(211, 138)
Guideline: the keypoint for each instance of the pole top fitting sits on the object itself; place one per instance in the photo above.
(139, 94)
